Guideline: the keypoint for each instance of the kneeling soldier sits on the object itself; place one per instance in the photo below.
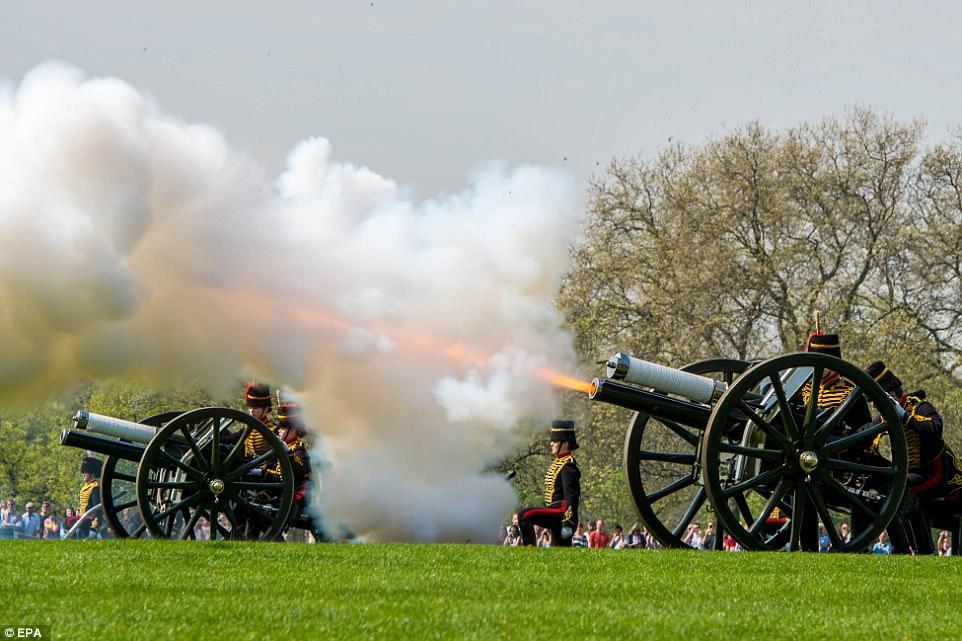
(562, 491)
(934, 469)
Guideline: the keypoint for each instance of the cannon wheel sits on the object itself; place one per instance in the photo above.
(646, 443)
(195, 466)
(118, 483)
(796, 455)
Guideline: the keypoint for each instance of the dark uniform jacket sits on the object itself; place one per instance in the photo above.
(89, 497)
(257, 444)
(934, 469)
(562, 488)
(834, 394)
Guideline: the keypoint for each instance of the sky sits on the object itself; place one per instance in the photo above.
(425, 92)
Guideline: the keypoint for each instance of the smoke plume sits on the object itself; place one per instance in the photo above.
(138, 245)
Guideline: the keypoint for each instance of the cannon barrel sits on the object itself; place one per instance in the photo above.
(102, 445)
(116, 427)
(701, 389)
(653, 403)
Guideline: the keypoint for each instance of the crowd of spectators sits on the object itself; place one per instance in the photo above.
(33, 524)
(595, 535)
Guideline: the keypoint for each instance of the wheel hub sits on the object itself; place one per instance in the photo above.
(216, 486)
(808, 461)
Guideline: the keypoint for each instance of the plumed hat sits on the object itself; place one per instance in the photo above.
(258, 395)
(883, 376)
(564, 431)
(289, 415)
(91, 465)
(825, 344)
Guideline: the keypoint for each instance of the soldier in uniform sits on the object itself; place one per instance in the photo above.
(934, 469)
(562, 491)
(89, 496)
(833, 389)
(832, 392)
(257, 396)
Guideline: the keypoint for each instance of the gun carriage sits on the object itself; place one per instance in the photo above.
(754, 444)
(163, 474)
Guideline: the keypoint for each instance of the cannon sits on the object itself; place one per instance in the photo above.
(179, 467)
(752, 443)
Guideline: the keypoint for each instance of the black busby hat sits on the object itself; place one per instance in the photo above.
(289, 415)
(258, 395)
(825, 344)
(564, 431)
(883, 376)
(91, 465)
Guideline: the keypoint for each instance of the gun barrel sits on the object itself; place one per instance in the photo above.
(102, 445)
(659, 405)
(115, 427)
(701, 389)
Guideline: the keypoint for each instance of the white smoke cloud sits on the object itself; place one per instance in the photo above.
(139, 245)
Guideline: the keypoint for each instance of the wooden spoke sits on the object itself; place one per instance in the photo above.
(192, 444)
(779, 439)
(671, 488)
(681, 458)
(826, 517)
(784, 409)
(798, 515)
(693, 507)
(811, 412)
(857, 468)
(836, 418)
(755, 481)
(753, 452)
(250, 465)
(784, 485)
(833, 447)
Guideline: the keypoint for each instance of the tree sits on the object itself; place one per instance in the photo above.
(730, 248)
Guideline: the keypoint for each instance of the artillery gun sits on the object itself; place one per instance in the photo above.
(179, 467)
(752, 441)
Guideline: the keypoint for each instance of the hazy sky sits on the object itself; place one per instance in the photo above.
(423, 91)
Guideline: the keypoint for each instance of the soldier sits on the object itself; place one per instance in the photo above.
(89, 496)
(562, 491)
(934, 469)
(833, 389)
(289, 428)
(259, 405)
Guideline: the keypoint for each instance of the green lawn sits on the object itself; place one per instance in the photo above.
(133, 590)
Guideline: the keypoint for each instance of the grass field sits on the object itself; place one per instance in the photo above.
(133, 590)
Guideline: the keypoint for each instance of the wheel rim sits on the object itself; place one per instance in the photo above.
(660, 460)
(814, 460)
(118, 489)
(195, 469)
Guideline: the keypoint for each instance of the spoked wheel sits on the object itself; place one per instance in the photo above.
(814, 464)
(118, 489)
(660, 460)
(195, 481)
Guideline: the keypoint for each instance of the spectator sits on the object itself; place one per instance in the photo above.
(845, 533)
(617, 539)
(51, 525)
(883, 546)
(824, 543)
(729, 543)
(70, 517)
(944, 545)
(513, 537)
(599, 538)
(202, 529)
(635, 538)
(544, 541)
(693, 536)
(580, 539)
(708, 543)
(31, 523)
(11, 520)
